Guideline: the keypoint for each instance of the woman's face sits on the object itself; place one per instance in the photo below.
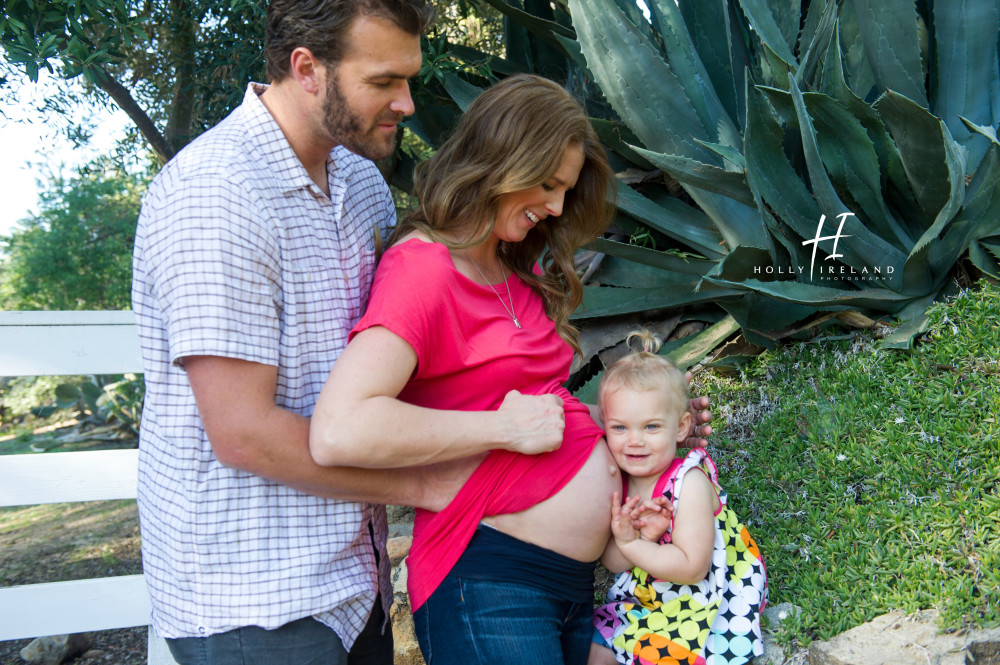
(518, 212)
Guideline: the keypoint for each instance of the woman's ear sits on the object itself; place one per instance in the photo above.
(684, 427)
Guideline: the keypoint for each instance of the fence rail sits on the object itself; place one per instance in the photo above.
(67, 343)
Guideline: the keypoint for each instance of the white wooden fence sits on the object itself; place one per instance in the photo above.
(56, 343)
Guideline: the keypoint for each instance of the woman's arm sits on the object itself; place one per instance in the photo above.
(687, 558)
(359, 422)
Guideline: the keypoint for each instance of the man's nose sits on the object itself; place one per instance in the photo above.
(403, 102)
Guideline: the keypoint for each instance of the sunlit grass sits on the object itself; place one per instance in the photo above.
(870, 477)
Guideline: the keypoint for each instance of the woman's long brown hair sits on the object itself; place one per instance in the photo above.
(513, 137)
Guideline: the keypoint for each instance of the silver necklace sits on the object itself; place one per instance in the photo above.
(509, 310)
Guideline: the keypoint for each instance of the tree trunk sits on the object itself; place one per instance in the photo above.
(182, 41)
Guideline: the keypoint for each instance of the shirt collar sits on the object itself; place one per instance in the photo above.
(268, 139)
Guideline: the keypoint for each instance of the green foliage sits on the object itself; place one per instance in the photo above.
(121, 402)
(107, 410)
(458, 57)
(21, 395)
(196, 68)
(83, 396)
(779, 120)
(100, 400)
(83, 36)
(870, 478)
(176, 68)
(77, 252)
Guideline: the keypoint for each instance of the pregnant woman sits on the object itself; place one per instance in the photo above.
(461, 359)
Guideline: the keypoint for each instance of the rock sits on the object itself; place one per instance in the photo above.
(773, 654)
(771, 619)
(399, 518)
(56, 649)
(774, 615)
(398, 548)
(399, 577)
(406, 648)
(396, 530)
(983, 653)
(898, 638)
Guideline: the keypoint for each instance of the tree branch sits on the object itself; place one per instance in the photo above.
(123, 98)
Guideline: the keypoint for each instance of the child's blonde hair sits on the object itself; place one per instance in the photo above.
(642, 369)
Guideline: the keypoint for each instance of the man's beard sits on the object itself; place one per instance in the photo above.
(346, 127)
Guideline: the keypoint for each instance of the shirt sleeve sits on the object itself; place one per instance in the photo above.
(407, 297)
(214, 267)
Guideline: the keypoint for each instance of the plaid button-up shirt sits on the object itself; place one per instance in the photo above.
(239, 254)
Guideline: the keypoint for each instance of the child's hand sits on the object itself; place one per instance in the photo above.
(652, 518)
(621, 519)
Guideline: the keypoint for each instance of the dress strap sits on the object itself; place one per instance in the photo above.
(671, 482)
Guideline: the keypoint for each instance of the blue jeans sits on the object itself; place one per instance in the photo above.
(480, 622)
(302, 642)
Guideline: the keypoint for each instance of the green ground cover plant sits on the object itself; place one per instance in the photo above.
(871, 477)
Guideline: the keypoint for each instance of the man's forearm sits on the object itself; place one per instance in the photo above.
(248, 431)
(280, 452)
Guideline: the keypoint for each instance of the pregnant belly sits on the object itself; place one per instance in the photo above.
(575, 522)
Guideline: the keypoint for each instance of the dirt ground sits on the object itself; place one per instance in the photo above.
(58, 542)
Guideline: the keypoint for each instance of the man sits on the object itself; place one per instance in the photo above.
(253, 259)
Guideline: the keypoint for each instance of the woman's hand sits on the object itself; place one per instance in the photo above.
(536, 422)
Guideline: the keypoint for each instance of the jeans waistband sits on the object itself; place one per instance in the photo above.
(495, 556)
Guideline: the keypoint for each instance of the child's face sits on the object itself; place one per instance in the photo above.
(642, 428)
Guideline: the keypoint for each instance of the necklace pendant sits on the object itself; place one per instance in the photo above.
(509, 310)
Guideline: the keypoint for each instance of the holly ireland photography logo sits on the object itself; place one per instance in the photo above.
(820, 238)
(834, 271)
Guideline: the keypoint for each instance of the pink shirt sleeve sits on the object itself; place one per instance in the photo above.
(403, 298)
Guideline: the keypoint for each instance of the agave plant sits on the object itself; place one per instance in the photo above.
(833, 157)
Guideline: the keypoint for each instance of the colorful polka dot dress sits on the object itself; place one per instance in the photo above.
(716, 622)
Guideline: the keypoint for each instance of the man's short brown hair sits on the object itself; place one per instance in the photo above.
(322, 25)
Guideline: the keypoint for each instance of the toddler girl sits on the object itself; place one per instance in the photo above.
(691, 584)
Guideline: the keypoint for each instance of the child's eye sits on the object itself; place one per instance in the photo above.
(652, 427)
(618, 428)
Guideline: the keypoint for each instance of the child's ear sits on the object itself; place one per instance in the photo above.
(684, 427)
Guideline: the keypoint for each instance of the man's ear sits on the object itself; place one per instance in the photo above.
(307, 70)
(684, 427)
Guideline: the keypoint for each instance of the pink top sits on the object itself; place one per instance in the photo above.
(469, 355)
